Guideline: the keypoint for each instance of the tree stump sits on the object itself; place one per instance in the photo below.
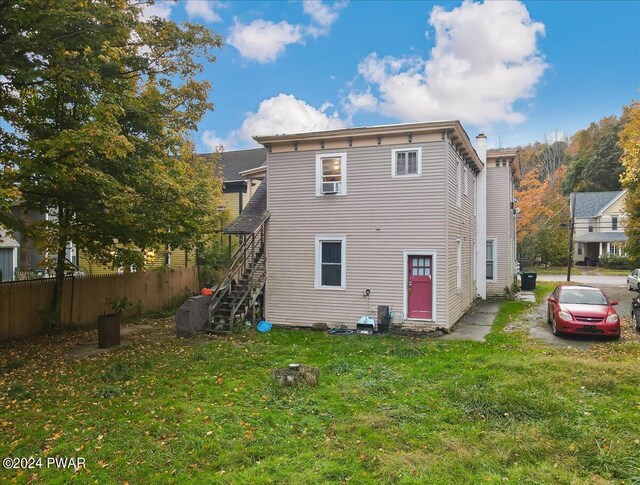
(296, 374)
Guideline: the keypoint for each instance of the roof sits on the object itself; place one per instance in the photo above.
(591, 204)
(452, 127)
(253, 215)
(610, 236)
(7, 241)
(234, 162)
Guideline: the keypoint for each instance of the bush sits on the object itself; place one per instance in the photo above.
(612, 261)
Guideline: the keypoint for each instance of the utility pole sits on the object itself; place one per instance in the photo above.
(572, 206)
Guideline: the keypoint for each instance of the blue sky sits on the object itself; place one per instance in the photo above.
(516, 71)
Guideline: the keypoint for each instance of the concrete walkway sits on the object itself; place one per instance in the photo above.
(476, 324)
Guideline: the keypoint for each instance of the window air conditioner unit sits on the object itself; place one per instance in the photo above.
(330, 187)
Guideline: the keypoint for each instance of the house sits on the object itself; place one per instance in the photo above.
(241, 172)
(598, 225)
(503, 170)
(9, 248)
(390, 215)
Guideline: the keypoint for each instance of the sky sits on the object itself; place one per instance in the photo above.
(517, 71)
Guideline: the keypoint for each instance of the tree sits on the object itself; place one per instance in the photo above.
(99, 103)
(629, 143)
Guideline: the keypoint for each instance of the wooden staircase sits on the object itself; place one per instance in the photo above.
(236, 295)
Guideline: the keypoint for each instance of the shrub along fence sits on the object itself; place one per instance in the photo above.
(25, 306)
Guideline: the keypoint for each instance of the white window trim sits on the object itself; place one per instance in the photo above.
(495, 259)
(458, 184)
(343, 173)
(475, 260)
(409, 148)
(343, 277)
(405, 296)
(458, 263)
(475, 196)
(466, 181)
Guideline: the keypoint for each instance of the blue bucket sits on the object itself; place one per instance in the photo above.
(263, 326)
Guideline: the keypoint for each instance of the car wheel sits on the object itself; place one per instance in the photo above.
(635, 323)
(638, 287)
(554, 328)
(629, 286)
(548, 316)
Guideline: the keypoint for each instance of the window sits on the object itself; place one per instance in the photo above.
(590, 226)
(458, 263)
(330, 262)
(475, 197)
(615, 249)
(579, 249)
(331, 167)
(475, 260)
(466, 182)
(406, 162)
(614, 223)
(458, 182)
(491, 259)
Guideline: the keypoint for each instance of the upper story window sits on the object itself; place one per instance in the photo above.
(590, 226)
(458, 184)
(614, 223)
(406, 162)
(331, 174)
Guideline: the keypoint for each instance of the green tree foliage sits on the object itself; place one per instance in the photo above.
(595, 158)
(630, 145)
(97, 105)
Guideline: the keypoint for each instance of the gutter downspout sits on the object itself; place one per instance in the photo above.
(481, 222)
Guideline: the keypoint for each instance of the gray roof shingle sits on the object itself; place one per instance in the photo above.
(610, 236)
(253, 215)
(589, 204)
(233, 162)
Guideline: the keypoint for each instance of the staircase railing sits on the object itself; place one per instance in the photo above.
(248, 257)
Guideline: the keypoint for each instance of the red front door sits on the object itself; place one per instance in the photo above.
(420, 287)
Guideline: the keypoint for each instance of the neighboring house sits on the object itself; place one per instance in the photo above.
(503, 170)
(9, 248)
(598, 225)
(242, 172)
(389, 215)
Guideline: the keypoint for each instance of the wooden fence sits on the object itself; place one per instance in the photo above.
(25, 306)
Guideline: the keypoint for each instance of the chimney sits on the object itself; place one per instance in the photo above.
(481, 148)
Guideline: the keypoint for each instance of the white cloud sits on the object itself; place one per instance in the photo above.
(215, 143)
(263, 40)
(157, 9)
(285, 113)
(205, 9)
(484, 60)
(322, 14)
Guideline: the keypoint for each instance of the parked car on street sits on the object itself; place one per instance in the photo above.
(635, 313)
(584, 310)
(633, 280)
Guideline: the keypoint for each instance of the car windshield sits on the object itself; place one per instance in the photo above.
(583, 297)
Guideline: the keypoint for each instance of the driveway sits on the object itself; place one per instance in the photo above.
(536, 319)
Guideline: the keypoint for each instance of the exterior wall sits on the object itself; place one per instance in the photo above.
(461, 224)
(234, 200)
(501, 226)
(381, 217)
(178, 258)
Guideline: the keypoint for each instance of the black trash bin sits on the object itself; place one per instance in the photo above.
(528, 281)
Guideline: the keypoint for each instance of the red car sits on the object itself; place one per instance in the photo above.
(583, 310)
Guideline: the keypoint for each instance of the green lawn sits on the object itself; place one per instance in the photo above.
(387, 410)
(552, 270)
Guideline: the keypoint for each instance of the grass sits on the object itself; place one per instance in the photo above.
(387, 409)
(579, 270)
(561, 270)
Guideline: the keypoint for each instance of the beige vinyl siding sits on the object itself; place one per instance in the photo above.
(380, 217)
(461, 224)
(500, 225)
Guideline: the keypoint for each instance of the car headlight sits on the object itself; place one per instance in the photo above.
(612, 318)
(565, 315)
